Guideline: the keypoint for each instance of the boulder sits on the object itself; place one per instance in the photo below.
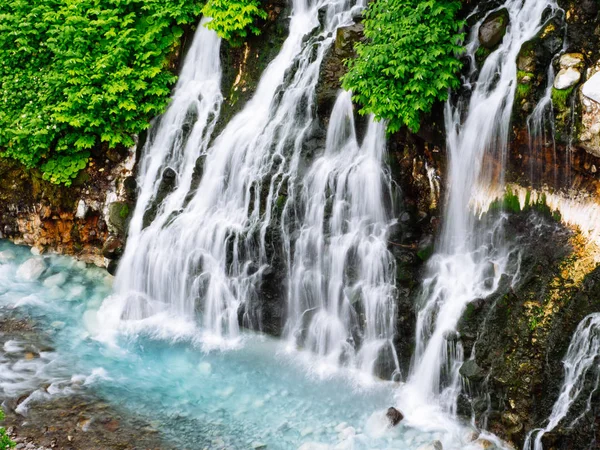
(571, 60)
(591, 88)
(31, 270)
(493, 29)
(394, 416)
(471, 371)
(567, 78)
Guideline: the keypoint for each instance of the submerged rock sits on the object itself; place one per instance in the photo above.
(6, 256)
(394, 416)
(493, 29)
(435, 445)
(56, 280)
(31, 270)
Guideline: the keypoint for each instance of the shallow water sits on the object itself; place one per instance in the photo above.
(257, 393)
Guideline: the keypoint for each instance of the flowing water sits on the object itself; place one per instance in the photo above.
(342, 275)
(471, 256)
(581, 364)
(210, 254)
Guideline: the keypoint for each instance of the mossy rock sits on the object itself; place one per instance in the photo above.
(118, 217)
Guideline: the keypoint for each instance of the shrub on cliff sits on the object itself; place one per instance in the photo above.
(5, 440)
(408, 60)
(78, 74)
(234, 19)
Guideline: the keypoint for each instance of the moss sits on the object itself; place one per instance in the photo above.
(124, 211)
(560, 97)
(481, 54)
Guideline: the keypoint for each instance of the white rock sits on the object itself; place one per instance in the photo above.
(567, 78)
(6, 256)
(81, 209)
(35, 251)
(76, 292)
(591, 88)
(58, 279)
(570, 60)
(31, 269)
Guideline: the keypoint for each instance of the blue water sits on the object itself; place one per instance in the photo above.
(253, 395)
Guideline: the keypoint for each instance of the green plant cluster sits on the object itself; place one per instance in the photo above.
(408, 60)
(234, 19)
(5, 440)
(82, 74)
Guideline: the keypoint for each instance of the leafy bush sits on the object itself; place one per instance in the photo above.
(233, 19)
(5, 440)
(408, 60)
(79, 74)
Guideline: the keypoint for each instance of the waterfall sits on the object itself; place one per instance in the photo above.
(582, 358)
(470, 257)
(340, 300)
(203, 256)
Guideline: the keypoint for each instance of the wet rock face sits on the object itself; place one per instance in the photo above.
(65, 220)
(521, 333)
(493, 29)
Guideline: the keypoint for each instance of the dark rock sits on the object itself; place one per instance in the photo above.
(113, 248)
(394, 416)
(493, 29)
(112, 267)
(471, 371)
(118, 217)
(345, 39)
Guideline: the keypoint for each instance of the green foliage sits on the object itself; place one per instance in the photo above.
(5, 440)
(233, 19)
(78, 73)
(408, 61)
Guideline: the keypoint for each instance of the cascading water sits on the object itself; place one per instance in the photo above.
(211, 252)
(176, 141)
(582, 360)
(342, 275)
(470, 256)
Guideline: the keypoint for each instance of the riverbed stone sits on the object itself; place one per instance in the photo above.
(567, 78)
(31, 270)
(493, 29)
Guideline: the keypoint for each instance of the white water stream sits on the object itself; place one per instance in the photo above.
(209, 255)
(342, 280)
(471, 256)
